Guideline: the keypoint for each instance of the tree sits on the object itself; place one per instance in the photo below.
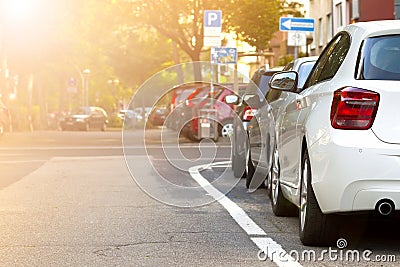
(254, 21)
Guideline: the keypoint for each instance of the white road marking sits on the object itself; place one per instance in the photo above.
(272, 250)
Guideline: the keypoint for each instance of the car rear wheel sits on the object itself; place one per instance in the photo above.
(280, 205)
(239, 156)
(315, 227)
(268, 185)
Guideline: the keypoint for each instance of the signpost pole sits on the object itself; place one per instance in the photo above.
(212, 37)
(296, 45)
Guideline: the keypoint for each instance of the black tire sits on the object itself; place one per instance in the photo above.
(315, 228)
(249, 170)
(280, 205)
(238, 161)
(268, 185)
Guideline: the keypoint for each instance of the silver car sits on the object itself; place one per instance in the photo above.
(261, 127)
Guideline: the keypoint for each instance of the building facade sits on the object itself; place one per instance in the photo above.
(332, 15)
(321, 12)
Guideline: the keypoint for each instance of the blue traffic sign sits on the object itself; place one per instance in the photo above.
(224, 55)
(296, 24)
(212, 18)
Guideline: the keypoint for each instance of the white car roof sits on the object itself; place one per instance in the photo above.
(374, 28)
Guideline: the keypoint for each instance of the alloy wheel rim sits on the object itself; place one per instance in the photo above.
(303, 196)
(227, 130)
(275, 178)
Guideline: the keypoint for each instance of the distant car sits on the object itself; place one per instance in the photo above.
(158, 115)
(224, 110)
(244, 111)
(178, 96)
(85, 119)
(338, 139)
(4, 117)
(186, 110)
(142, 113)
(128, 116)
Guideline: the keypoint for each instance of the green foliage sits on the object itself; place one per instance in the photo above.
(255, 21)
(285, 59)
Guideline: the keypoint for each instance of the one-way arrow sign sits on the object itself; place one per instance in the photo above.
(296, 24)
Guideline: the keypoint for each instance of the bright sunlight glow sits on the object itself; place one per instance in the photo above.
(20, 9)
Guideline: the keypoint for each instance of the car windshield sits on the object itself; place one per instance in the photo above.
(381, 57)
(262, 88)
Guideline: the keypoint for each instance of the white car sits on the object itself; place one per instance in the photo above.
(338, 141)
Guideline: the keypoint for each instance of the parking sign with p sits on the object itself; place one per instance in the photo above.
(212, 23)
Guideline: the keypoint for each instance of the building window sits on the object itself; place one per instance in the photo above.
(313, 44)
(328, 27)
(339, 15)
(320, 32)
(397, 9)
(356, 12)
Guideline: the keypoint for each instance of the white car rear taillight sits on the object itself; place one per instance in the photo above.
(354, 108)
(249, 113)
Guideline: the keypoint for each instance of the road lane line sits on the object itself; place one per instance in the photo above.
(257, 235)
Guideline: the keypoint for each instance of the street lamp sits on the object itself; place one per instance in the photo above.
(86, 73)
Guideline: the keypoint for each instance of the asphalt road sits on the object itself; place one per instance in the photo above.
(113, 199)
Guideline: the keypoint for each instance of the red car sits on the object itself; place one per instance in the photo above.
(178, 96)
(217, 102)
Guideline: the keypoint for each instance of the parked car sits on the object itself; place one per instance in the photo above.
(216, 101)
(186, 109)
(85, 119)
(262, 126)
(142, 113)
(158, 115)
(129, 117)
(244, 110)
(4, 118)
(178, 96)
(337, 140)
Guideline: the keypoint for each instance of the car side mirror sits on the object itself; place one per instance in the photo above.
(284, 81)
(232, 99)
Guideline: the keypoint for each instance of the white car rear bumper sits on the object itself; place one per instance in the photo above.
(354, 170)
